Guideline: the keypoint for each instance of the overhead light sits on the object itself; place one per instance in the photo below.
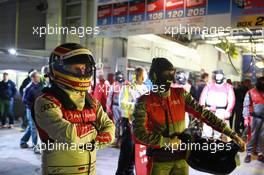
(12, 51)
(260, 64)
(219, 49)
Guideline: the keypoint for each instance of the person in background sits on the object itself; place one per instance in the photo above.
(112, 104)
(31, 92)
(203, 82)
(127, 100)
(101, 90)
(253, 113)
(219, 98)
(45, 76)
(240, 94)
(148, 82)
(110, 78)
(24, 84)
(180, 81)
(7, 94)
(229, 81)
(193, 88)
(237, 84)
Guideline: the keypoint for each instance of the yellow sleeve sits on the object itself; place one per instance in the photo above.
(105, 128)
(49, 117)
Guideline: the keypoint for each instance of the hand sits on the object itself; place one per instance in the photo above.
(240, 142)
(175, 143)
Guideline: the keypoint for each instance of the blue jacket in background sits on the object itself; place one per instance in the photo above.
(31, 92)
(25, 82)
(7, 90)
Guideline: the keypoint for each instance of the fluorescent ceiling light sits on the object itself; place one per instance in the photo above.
(12, 51)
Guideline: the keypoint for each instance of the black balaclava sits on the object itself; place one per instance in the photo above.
(221, 80)
(260, 84)
(156, 73)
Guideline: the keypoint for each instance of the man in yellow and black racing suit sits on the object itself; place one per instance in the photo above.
(71, 124)
(159, 117)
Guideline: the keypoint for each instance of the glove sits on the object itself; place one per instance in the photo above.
(240, 142)
(175, 143)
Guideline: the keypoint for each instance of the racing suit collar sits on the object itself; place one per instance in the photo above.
(219, 85)
(77, 97)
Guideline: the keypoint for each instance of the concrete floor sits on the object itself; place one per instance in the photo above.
(16, 161)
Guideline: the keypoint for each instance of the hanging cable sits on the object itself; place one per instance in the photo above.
(253, 56)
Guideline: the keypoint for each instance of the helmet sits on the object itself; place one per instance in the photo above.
(218, 76)
(119, 76)
(67, 55)
(180, 77)
(45, 71)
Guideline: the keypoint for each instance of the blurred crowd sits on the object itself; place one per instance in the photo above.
(233, 102)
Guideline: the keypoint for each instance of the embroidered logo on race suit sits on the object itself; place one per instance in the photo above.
(47, 107)
(82, 119)
(90, 116)
(80, 116)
